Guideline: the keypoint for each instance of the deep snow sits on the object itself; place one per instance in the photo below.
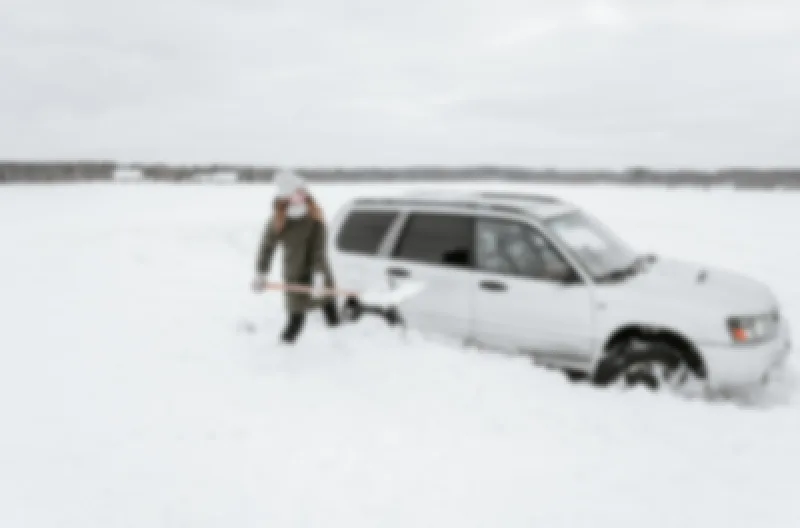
(130, 396)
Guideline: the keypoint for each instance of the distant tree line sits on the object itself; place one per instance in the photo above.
(88, 171)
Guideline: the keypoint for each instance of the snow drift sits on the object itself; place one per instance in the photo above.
(131, 396)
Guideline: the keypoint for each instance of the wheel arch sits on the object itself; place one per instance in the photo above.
(689, 351)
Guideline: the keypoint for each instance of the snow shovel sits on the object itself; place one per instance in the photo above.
(383, 304)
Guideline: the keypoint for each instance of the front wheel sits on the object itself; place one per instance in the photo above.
(636, 361)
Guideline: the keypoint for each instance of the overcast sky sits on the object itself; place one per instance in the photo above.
(563, 83)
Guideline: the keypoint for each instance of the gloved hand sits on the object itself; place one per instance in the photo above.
(259, 282)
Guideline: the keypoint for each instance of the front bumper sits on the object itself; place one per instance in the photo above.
(732, 366)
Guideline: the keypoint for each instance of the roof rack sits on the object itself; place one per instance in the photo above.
(528, 197)
(457, 203)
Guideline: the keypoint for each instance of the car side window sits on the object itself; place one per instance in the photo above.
(437, 238)
(512, 248)
(363, 231)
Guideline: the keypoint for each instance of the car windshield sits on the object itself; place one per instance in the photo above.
(602, 253)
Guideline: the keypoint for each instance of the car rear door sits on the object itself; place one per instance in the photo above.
(527, 297)
(436, 249)
(357, 244)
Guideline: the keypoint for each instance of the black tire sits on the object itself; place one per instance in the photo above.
(637, 361)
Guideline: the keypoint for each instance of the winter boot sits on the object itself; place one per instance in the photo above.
(293, 327)
(330, 313)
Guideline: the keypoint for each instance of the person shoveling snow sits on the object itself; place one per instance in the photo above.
(298, 223)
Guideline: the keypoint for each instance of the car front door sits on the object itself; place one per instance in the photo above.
(527, 297)
(436, 250)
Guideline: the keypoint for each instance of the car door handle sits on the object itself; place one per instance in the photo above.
(398, 272)
(494, 286)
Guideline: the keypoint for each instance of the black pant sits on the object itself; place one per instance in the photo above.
(297, 321)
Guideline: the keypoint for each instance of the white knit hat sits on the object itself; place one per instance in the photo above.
(287, 182)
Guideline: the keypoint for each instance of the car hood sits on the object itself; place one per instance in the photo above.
(698, 287)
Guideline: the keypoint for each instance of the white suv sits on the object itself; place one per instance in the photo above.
(534, 275)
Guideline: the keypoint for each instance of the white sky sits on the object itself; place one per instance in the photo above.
(563, 83)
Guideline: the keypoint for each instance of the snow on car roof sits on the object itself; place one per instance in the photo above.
(539, 205)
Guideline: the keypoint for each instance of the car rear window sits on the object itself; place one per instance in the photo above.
(437, 238)
(363, 231)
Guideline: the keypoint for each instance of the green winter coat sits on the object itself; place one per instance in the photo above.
(304, 242)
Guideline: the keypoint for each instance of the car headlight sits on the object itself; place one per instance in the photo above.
(750, 329)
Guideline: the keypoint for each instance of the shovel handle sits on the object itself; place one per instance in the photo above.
(302, 288)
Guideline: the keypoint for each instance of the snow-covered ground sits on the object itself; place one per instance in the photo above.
(130, 396)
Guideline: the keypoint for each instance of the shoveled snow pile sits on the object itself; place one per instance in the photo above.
(131, 393)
